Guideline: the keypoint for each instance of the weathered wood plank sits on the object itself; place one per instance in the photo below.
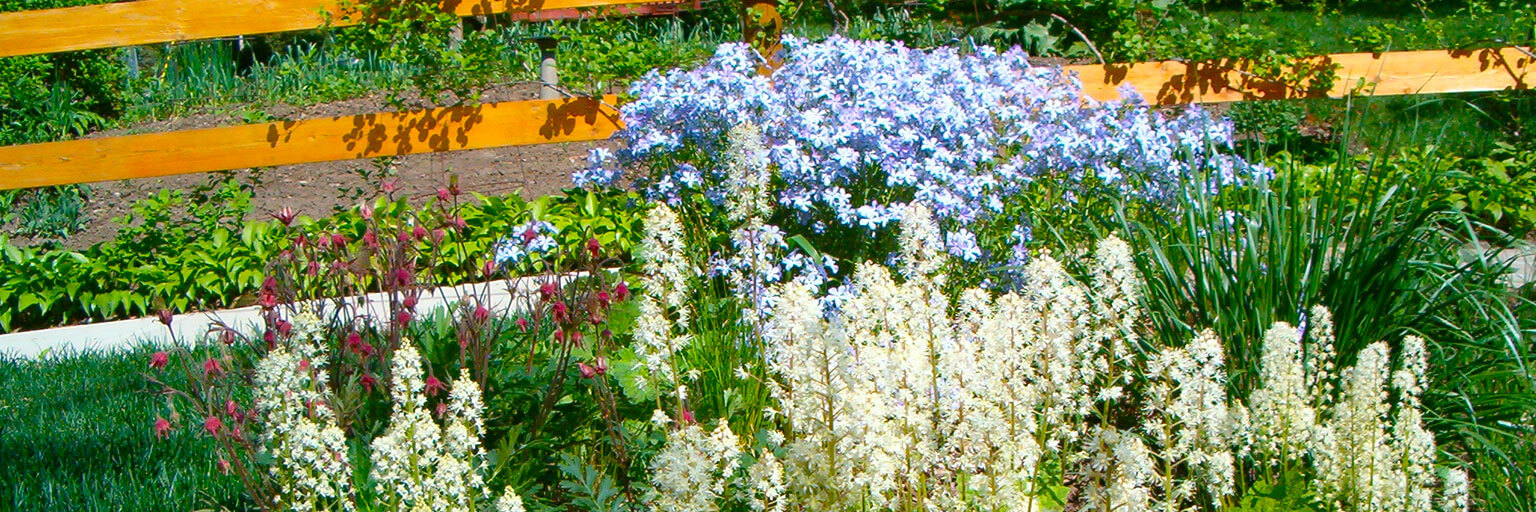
(159, 21)
(1381, 74)
(314, 140)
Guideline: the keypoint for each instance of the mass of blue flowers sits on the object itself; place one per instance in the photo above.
(530, 239)
(960, 132)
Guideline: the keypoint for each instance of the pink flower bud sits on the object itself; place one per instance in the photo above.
(158, 360)
(366, 210)
(389, 186)
(587, 372)
(594, 247)
(227, 336)
(231, 409)
(442, 195)
(437, 236)
(368, 383)
(370, 240)
(162, 427)
(621, 292)
(409, 302)
(314, 269)
(339, 240)
(403, 237)
(435, 387)
(442, 409)
(211, 368)
(285, 216)
(419, 232)
(223, 465)
(522, 324)
(284, 328)
(482, 314)
(212, 424)
(403, 317)
(165, 317)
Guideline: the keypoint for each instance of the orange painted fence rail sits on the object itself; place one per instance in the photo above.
(584, 119)
(511, 123)
(160, 21)
(1361, 74)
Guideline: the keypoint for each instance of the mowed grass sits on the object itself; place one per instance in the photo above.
(76, 434)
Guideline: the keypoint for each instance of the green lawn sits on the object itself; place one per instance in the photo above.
(76, 434)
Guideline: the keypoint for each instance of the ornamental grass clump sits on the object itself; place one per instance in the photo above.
(1051, 397)
(854, 129)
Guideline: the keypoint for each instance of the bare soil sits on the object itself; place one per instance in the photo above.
(318, 189)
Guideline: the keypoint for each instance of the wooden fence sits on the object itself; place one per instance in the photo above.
(568, 120)
(160, 21)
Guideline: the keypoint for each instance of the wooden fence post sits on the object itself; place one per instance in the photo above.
(761, 28)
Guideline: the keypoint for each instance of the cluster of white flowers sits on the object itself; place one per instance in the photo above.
(417, 463)
(691, 473)
(299, 430)
(904, 399)
(1369, 449)
(759, 246)
(659, 329)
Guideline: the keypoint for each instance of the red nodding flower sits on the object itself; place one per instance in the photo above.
(355, 342)
(211, 368)
(595, 317)
(402, 277)
(314, 269)
(688, 416)
(227, 336)
(482, 313)
(223, 465)
(366, 210)
(301, 241)
(232, 409)
(604, 298)
(442, 409)
(559, 335)
(587, 372)
(402, 237)
(562, 312)
(368, 383)
(409, 302)
(162, 427)
(370, 240)
(488, 268)
(403, 317)
(529, 234)
(285, 216)
(601, 365)
(575, 338)
(435, 387)
(621, 292)
(212, 425)
(158, 360)
(453, 188)
(419, 232)
(437, 236)
(389, 186)
(442, 194)
(284, 328)
(522, 324)
(339, 241)
(165, 317)
(548, 290)
(271, 338)
(594, 247)
(458, 222)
